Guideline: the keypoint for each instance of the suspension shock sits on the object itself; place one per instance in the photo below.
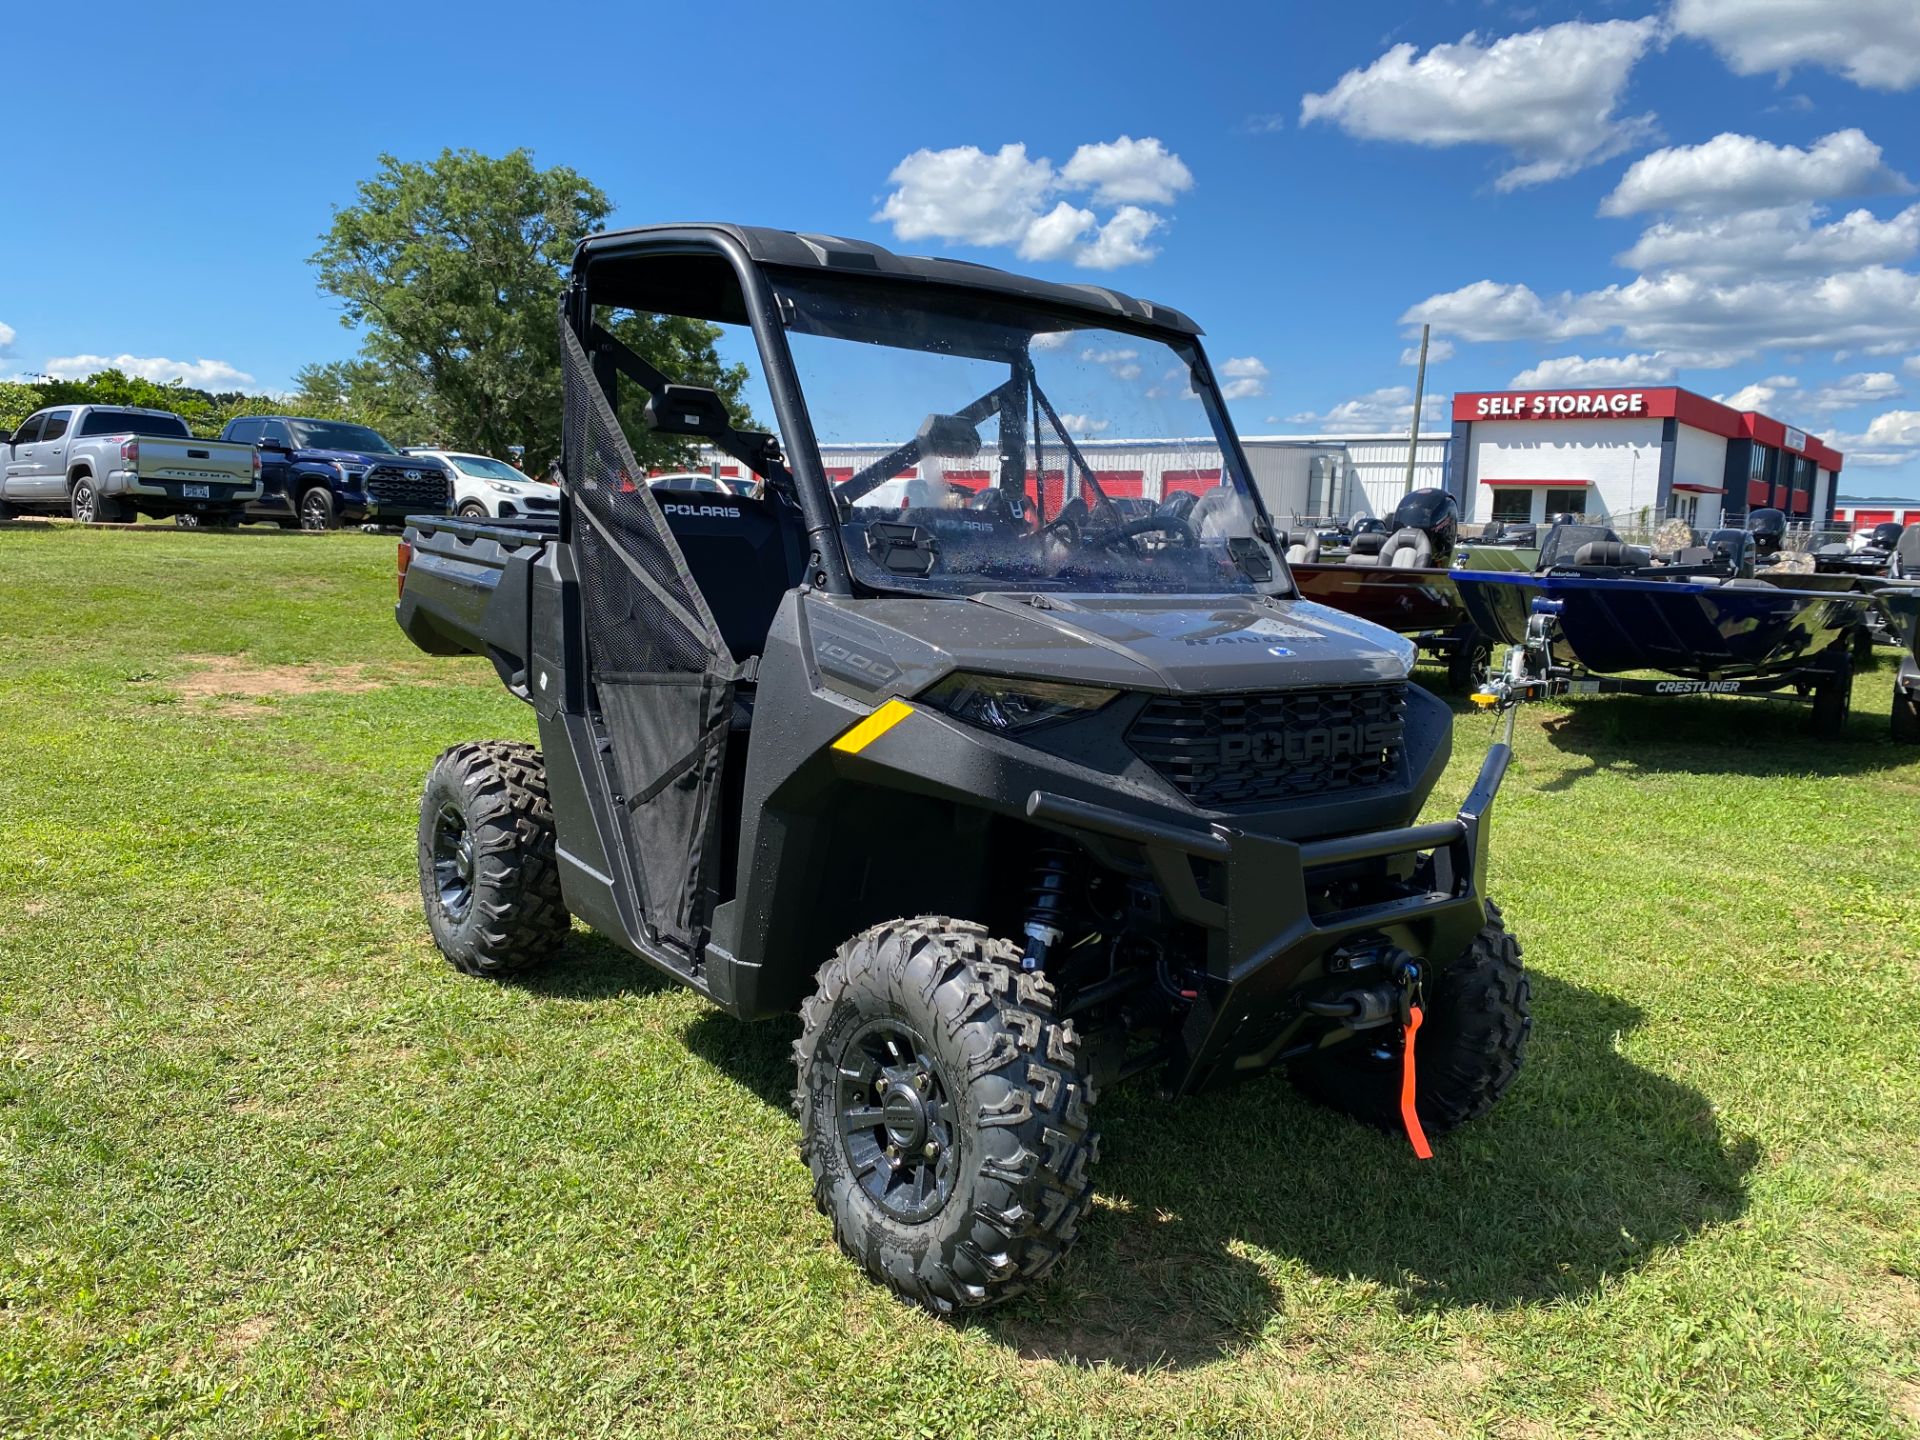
(1046, 911)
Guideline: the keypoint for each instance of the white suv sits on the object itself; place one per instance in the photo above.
(485, 487)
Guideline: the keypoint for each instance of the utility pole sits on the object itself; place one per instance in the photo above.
(1419, 395)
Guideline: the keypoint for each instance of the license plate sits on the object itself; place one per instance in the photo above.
(196, 492)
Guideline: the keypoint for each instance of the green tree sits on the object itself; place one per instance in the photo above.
(453, 271)
(17, 402)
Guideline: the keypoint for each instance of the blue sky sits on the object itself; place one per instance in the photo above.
(1714, 193)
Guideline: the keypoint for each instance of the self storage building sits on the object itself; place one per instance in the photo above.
(1646, 452)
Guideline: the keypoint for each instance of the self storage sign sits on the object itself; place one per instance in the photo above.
(1561, 405)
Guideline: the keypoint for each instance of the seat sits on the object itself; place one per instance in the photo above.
(1366, 547)
(744, 554)
(1407, 549)
(1611, 555)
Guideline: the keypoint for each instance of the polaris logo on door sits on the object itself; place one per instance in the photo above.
(1318, 742)
(709, 512)
(1697, 687)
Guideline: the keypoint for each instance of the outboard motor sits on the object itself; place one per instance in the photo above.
(1426, 523)
(1769, 531)
(1884, 536)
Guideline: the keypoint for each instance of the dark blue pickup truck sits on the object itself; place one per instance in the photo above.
(321, 474)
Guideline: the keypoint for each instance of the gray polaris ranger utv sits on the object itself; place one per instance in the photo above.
(1010, 774)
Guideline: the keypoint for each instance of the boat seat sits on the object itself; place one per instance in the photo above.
(1407, 549)
(1694, 555)
(1305, 551)
(1365, 549)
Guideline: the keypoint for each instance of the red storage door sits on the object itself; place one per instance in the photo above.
(1122, 484)
(1191, 482)
(1056, 483)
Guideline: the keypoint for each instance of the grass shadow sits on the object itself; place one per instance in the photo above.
(590, 967)
(1712, 735)
(1210, 1210)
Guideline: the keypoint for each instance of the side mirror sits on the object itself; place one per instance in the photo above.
(271, 447)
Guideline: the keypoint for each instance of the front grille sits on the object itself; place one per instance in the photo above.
(388, 485)
(1222, 751)
(541, 502)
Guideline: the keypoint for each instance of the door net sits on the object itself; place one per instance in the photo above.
(663, 678)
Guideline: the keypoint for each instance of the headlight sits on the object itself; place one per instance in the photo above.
(503, 487)
(1010, 706)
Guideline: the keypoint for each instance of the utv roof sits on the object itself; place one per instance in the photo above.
(787, 249)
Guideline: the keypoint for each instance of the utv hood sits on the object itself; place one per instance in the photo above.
(1172, 643)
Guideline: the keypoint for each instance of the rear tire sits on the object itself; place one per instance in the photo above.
(86, 504)
(925, 1035)
(1833, 694)
(1472, 1041)
(317, 510)
(1467, 662)
(488, 875)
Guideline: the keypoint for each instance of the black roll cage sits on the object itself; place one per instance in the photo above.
(827, 562)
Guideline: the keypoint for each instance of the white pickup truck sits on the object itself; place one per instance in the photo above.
(106, 463)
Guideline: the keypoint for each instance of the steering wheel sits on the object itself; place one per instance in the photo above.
(1173, 525)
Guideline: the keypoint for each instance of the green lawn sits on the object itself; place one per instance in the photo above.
(268, 1167)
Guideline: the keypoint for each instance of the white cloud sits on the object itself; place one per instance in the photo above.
(1122, 362)
(1762, 394)
(203, 374)
(1680, 311)
(1122, 240)
(1774, 241)
(1872, 42)
(1869, 388)
(1740, 172)
(1889, 439)
(1437, 350)
(1128, 171)
(1083, 424)
(1245, 377)
(1056, 235)
(1577, 370)
(968, 196)
(6, 338)
(1388, 409)
(1548, 96)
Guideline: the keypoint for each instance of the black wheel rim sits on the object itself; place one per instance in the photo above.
(896, 1121)
(453, 862)
(313, 512)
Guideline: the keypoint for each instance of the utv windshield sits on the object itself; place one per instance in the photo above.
(970, 445)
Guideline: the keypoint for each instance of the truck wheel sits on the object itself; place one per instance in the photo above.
(1833, 694)
(1477, 1018)
(316, 510)
(488, 876)
(84, 502)
(944, 1113)
(1906, 716)
(187, 520)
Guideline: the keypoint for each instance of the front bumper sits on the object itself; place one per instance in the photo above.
(1254, 896)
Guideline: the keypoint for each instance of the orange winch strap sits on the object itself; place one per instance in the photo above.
(1409, 1116)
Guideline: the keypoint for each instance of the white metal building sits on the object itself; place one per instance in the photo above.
(1298, 475)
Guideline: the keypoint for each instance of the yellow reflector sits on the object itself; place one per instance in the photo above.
(1483, 699)
(873, 727)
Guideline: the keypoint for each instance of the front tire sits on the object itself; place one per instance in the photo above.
(489, 878)
(944, 1113)
(473, 510)
(1472, 1040)
(317, 510)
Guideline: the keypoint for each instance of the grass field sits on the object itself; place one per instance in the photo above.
(268, 1167)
